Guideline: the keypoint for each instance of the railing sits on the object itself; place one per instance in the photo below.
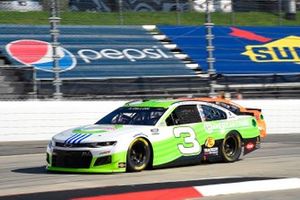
(246, 87)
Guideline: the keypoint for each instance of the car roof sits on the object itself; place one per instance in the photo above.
(217, 99)
(227, 101)
(163, 103)
(152, 103)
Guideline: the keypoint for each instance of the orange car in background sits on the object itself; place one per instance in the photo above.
(238, 110)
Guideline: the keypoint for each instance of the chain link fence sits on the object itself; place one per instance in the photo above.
(140, 12)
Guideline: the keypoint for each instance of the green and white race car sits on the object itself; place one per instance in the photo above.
(153, 134)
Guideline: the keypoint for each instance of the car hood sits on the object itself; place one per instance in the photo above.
(99, 133)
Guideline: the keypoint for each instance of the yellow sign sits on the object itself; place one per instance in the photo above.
(283, 50)
(210, 142)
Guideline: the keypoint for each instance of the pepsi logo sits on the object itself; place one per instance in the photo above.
(39, 54)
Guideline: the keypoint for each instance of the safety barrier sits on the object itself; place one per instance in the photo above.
(40, 120)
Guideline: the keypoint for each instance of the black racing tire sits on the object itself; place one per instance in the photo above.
(138, 155)
(231, 148)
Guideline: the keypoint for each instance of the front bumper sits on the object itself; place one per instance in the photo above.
(85, 161)
(80, 170)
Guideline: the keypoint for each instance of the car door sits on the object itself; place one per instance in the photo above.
(183, 124)
(182, 128)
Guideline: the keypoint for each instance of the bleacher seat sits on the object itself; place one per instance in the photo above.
(275, 49)
(135, 40)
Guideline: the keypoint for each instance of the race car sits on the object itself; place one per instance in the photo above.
(154, 134)
(238, 110)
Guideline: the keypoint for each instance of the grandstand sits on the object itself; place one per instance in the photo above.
(98, 51)
(241, 50)
(96, 59)
(149, 61)
(138, 62)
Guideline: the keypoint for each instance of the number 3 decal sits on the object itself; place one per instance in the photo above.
(190, 144)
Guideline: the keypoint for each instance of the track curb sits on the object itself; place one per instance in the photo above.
(205, 191)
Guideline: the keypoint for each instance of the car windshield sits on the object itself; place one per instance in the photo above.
(133, 115)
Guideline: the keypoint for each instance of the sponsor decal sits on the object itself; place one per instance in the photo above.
(39, 54)
(95, 130)
(121, 164)
(282, 50)
(210, 142)
(84, 131)
(211, 151)
(285, 49)
(155, 131)
(250, 146)
(211, 127)
(129, 54)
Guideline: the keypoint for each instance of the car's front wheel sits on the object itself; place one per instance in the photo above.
(231, 147)
(138, 155)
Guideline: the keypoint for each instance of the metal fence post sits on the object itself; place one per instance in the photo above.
(210, 48)
(54, 32)
(178, 20)
(279, 12)
(35, 94)
(232, 16)
(121, 17)
(291, 10)
(191, 6)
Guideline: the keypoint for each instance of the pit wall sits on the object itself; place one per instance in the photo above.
(40, 120)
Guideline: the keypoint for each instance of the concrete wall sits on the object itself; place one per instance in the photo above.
(282, 116)
(39, 120)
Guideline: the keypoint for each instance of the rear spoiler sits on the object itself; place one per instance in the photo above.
(246, 113)
(254, 109)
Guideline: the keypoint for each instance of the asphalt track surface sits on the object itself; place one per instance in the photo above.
(23, 174)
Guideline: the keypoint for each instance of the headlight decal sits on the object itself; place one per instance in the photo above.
(109, 143)
(102, 144)
(51, 144)
(86, 145)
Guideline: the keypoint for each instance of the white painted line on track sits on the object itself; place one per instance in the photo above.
(249, 186)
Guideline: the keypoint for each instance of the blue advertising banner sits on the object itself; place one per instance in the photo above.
(242, 50)
(90, 52)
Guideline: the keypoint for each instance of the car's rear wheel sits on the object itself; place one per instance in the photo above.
(138, 155)
(231, 147)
